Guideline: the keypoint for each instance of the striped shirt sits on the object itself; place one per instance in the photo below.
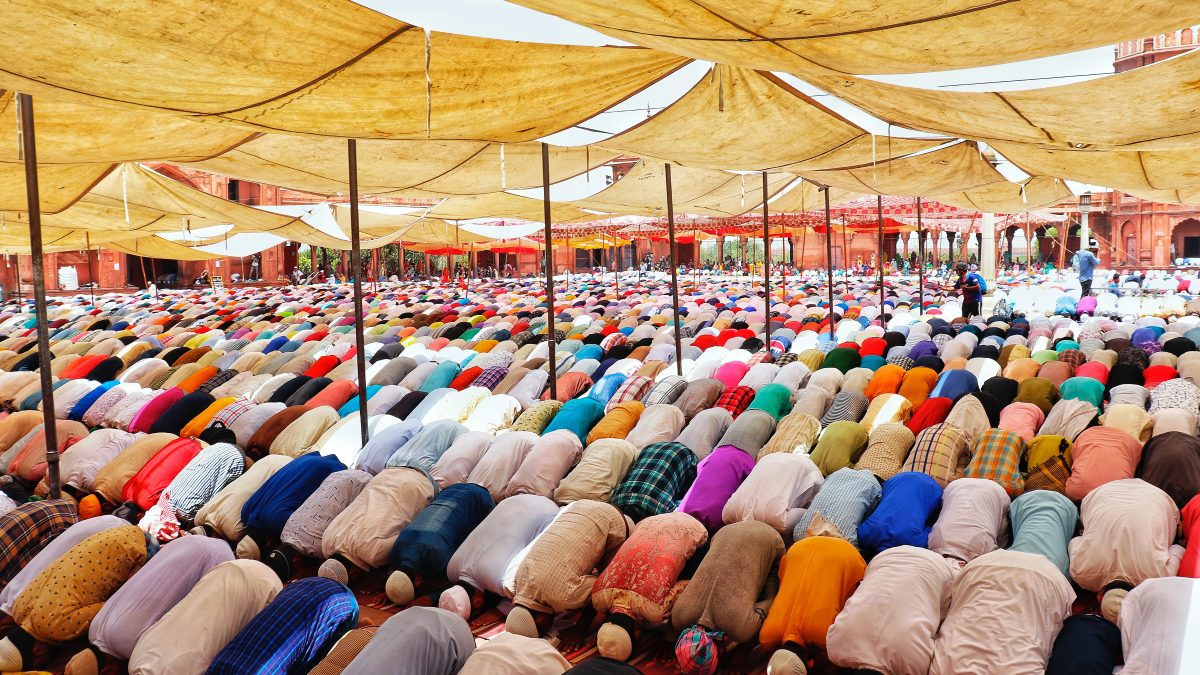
(845, 500)
(204, 476)
(847, 406)
(940, 451)
(291, 633)
(667, 390)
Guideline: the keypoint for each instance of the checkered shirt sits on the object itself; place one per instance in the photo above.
(997, 457)
(229, 414)
(658, 479)
(940, 451)
(490, 377)
(26, 530)
(632, 389)
(736, 399)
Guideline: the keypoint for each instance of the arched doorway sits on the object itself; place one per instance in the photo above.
(1185, 240)
(1128, 244)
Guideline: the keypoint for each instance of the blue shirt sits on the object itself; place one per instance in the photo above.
(1086, 261)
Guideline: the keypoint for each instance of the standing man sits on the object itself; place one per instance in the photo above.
(1086, 262)
(971, 287)
(253, 268)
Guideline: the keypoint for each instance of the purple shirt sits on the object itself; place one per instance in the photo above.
(717, 478)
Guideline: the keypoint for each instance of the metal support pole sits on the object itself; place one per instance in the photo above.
(674, 245)
(87, 243)
(920, 259)
(879, 256)
(615, 258)
(829, 256)
(356, 269)
(33, 199)
(766, 268)
(549, 257)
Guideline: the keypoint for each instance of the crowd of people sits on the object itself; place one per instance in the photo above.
(967, 479)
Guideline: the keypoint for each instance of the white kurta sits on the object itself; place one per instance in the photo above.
(1160, 627)
(973, 519)
(1007, 608)
(1128, 527)
(889, 623)
(776, 492)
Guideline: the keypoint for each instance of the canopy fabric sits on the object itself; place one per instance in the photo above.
(133, 201)
(1180, 196)
(506, 205)
(1008, 197)
(1092, 114)
(59, 185)
(742, 120)
(157, 247)
(71, 132)
(805, 196)
(411, 168)
(168, 205)
(319, 67)
(643, 191)
(869, 36)
(954, 168)
(1124, 170)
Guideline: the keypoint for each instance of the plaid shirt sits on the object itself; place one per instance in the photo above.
(997, 457)
(490, 377)
(1072, 357)
(665, 391)
(736, 399)
(632, 389)
(658, 479)
(291, 633)
(26, 530)
(763, 356)
(940, 451)
(217, 380)
(231, 412)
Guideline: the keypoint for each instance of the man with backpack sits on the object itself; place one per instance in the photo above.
(972, 286)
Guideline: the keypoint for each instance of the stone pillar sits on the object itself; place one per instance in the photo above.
(987, 249)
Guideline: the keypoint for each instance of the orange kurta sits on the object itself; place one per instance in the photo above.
(817, 575)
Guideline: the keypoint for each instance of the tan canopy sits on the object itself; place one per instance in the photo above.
(1093, 114)
(953, 168)
(505, 205)
(643, 191)
(871, 36)
(1124, 170)
(1008, 197)
(72, 132)
(743, 120)
(410, 168)
(805, 196)
(60, 185)
(332, 68)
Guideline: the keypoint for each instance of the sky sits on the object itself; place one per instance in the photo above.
(503, 20)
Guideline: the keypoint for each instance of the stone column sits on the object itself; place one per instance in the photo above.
(987, 249)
